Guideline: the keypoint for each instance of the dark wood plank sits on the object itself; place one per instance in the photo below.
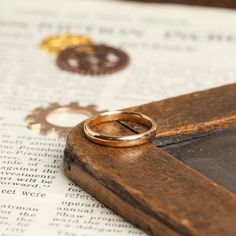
(139, 218)
(214, 156)
(191, 115)
(148, 186)
(156, 184)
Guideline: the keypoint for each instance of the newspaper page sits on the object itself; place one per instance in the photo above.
(172, 50)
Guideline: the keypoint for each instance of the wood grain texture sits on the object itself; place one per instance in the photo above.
(191, 115)
(213, 155)
(151, 188)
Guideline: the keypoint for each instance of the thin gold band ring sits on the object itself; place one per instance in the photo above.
(120, 141)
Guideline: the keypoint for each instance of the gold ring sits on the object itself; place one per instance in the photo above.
(120, 141)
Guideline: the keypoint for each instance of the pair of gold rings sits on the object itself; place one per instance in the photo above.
(120, 141)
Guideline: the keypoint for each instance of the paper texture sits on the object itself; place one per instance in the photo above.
(173, 50)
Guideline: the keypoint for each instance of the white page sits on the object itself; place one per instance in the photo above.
(173, 50)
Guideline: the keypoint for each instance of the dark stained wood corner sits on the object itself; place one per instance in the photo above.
(152, 188)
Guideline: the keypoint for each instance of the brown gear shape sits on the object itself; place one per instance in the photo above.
(38, 118)
(92, 59)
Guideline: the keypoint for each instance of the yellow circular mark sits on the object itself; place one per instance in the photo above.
(57, 43)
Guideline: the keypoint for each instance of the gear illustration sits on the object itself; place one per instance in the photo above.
(93, 59)
(56, 43)
(38, 119)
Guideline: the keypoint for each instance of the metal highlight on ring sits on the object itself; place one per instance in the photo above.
(120, 141)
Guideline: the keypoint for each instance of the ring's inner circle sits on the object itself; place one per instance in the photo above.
(126, 117)
(133, 117)
(120, 141)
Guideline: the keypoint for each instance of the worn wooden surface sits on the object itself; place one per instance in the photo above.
(213, 156)
(192, 115)
(148, 186)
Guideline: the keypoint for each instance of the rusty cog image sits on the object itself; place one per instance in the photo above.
(38, 119)
(56, 43)
(93, 59)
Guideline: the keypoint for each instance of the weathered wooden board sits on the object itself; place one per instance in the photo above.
(148, 186)
(214, 156)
